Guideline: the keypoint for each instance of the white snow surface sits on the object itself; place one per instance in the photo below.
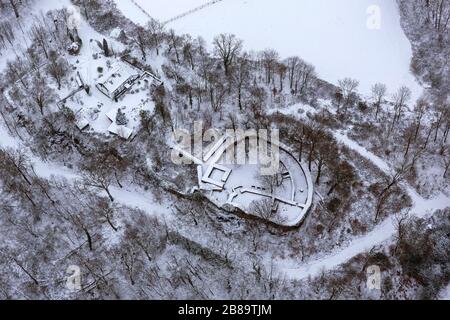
(333, 35)
(337, 43)
(380, 234)
(445, 293)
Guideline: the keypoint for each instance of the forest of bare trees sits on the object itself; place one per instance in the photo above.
(185, 247)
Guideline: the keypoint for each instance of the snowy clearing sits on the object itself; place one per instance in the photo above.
(339, 44)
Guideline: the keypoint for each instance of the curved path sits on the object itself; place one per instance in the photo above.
(380, 234)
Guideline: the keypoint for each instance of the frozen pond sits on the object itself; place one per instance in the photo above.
(333, 35)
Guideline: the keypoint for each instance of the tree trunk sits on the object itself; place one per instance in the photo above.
(89, 239)
(319, 171)
(109, 194)
(14, 6)
(332, 189)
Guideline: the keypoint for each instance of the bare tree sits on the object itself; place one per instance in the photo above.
(419, 112)
(241, 76)
(342, 174)
(98, 176)
(281, 70)
(399, 175)
(446, 160)
(156, 31)
(263, 209)
(378, 93)
(269, 58)
(6, 33)
(41, 94)
(271, 182)
(141, 40)
(326, 151)
(257, 99)
(306, 74)
(227, 47)
(292, 64)
(16, 163)
(438, 13)
(175, 43)
(401, 98)
(15, 6)
(40, 35)
(16, 70)
(217, 93)
(57, 67)
(105, 211)
(348, 87)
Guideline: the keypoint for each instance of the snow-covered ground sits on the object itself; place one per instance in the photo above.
(163, 11)
(135, 101)
(381, 234)
(333, 35)
(128, 196)
(244, 185)
(445, 294)
(21, 42)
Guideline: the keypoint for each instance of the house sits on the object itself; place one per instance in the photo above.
(82, 123)
(122, 131)
(123, 76)
(118, 81)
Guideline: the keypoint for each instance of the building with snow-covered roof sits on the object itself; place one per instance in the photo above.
(121, 131)
(117, 129)
(122, 77)
(118, 81)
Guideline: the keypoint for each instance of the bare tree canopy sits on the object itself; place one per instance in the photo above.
(227, 47)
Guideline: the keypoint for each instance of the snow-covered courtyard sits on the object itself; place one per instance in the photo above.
(283, 196)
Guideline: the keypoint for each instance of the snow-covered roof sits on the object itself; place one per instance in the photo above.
(79, 80)
(117, 76)
(82, 123)
(121, 131)
(111, 114)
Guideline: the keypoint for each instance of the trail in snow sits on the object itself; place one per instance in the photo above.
(126, 196)
(421, 206)
(380, 234)
(377, 161)
(194, 10)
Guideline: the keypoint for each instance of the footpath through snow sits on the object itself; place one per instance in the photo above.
(380, 234)
(126, 196)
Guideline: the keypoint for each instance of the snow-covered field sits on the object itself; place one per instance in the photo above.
(333, 35)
